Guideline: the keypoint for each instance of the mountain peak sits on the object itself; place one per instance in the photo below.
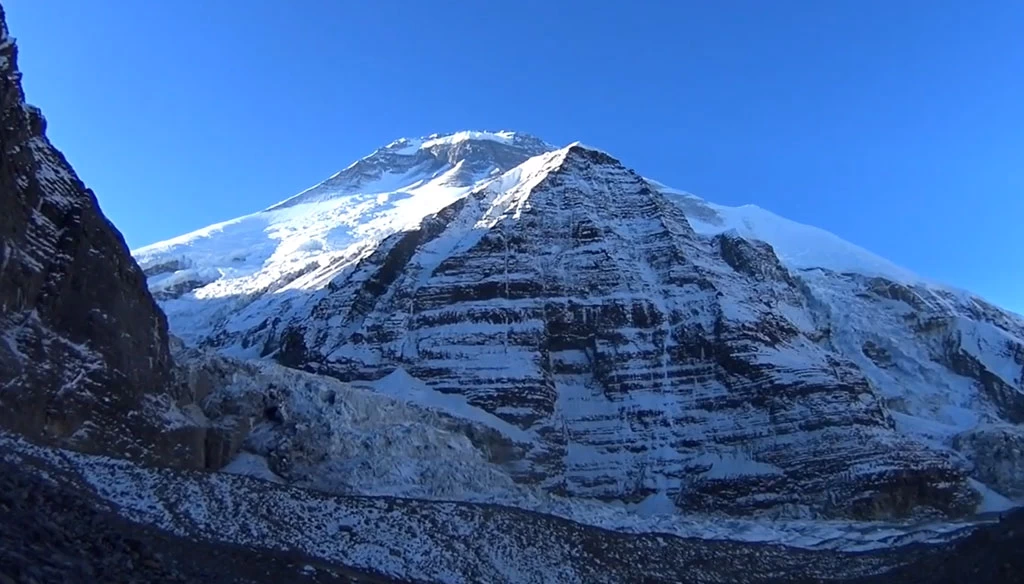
(462, 158)
(410, 146)
(592, 154)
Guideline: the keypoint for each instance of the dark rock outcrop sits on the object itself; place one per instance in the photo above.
(990, 555)
(84, 357)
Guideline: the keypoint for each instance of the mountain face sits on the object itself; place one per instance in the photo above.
(625, 340)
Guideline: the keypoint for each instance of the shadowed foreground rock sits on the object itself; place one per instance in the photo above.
(84, 356)
(992, 555)
(51, 533)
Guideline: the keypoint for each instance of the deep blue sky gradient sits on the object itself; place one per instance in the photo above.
(898, 125)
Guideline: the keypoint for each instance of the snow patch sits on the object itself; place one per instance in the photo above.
(991, 501)
(798, 246)
(502, 137)
(399, 384)
(734, 464)
(252, 465)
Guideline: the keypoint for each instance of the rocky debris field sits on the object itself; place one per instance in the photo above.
(59, 522)
(50, 533)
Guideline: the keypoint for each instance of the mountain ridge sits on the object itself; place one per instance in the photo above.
(714, 216)
(443, 150)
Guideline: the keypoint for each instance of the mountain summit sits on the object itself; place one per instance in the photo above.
(461, 158)
(624, 340)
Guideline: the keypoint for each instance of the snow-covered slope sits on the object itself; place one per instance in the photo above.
(627, 340)
(798, 246)
(204, 277)
(948, 363)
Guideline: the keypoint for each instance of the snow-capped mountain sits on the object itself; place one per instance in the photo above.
(627, 341)
(505, 310)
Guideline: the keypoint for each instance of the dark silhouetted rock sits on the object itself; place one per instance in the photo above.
(84, 355)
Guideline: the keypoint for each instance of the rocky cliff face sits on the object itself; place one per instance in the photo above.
(84, 358)
(628, 341)
(635, 342)
(575, 302)
(948, 365)
(632, 342)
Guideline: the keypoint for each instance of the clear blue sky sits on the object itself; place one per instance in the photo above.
(897, 124)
